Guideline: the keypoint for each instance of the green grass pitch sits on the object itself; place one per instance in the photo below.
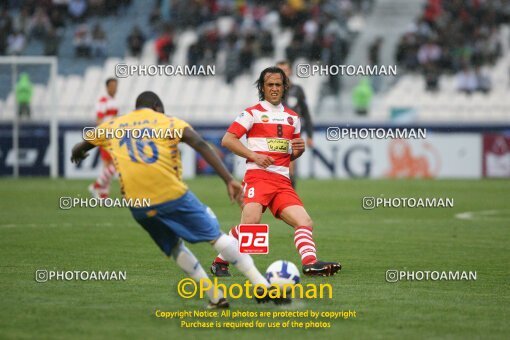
(36, 234)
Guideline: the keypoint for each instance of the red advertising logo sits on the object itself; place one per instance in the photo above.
(406, 162)
(254, 238)
(496, 155)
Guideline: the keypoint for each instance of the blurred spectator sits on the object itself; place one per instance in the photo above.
(362, 97)
(6, 24)
(155, 19)
(22, 21)
(247, 54)
(407, 51)
(333, 54)
(99, 41)
(3, 42)
(82, 41)
(16, 42)
(266, 44)
(294, 50)
(483, 80)
(57, 21)
(165, 46)
(39, 24)
(96, 7)
(232, 59)
(24, 95)
(431, 72)
(77, 9)
(455, 35)
(6, 28)
(466, 80)
(135, 42)
(374, 51)
(429, 53)
(292, 14)
(51, 43)
(60, 5)
(195, 53)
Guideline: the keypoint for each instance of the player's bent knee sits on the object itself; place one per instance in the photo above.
(251, 220)
(303, 222)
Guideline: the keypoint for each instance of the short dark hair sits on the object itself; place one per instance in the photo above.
(149, 99)
(110, 80)
(272, 69)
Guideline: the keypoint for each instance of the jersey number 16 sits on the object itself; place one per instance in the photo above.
(137, 146)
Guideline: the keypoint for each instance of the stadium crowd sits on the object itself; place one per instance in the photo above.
(455, 37)
(22, 21)
(319, 30)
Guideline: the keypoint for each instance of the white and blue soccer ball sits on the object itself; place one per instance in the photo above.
(282, 272)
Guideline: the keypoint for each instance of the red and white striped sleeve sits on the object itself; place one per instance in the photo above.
(297, 129)
(242, 124)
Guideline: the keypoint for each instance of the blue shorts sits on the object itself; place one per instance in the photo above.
(185, 217)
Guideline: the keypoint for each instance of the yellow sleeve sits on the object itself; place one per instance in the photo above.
(98, 135)
(178, 126)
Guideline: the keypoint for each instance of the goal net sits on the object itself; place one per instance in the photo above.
(29, 116)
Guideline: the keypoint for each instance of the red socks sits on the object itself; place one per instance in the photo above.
(305, 245)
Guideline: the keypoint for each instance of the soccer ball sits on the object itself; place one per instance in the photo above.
(282, 272)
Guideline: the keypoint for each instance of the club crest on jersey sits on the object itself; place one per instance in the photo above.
(264, 119)
(290, 120)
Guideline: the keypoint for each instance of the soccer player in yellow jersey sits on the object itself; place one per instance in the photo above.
(149, 165)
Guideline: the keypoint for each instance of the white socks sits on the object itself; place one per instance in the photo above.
(190, 265)
(227, 247)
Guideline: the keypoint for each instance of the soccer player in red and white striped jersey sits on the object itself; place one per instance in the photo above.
(106, 109)
(273, 140)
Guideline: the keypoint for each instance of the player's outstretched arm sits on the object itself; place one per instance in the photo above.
(193, 139)
(80, 151)
(231, 142)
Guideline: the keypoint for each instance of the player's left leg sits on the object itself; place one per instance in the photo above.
(227, 247)
(101, 187)
(251, 214)
(297, 217)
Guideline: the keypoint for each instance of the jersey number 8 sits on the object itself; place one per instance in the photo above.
(251, 192)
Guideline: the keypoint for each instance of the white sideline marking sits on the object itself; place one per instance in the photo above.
(484, 214)
(32, 225)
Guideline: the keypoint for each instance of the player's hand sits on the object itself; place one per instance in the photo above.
(309, 142)
(263, 160)
(78, 155)
(235, 191)
(298, 145)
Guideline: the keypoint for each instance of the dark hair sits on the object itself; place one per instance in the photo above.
(260, 82)
(149, 99)
(110, 80)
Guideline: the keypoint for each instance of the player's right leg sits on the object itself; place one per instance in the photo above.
(194, 222)
(252, 214)
(159, 228)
